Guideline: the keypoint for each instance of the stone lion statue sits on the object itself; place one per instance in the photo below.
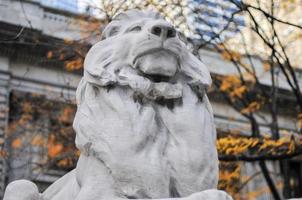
(144, 124)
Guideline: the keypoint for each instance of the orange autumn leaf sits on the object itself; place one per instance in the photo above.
(238, 92)
(49, 54)
(3, 154)
(225, 86)
(229, 82)
(266, 66)
(67, 115)
(17, 143)
(78, 153)
(63, 162)
(54, 150)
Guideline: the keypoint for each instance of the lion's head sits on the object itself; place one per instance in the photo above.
(143, 51)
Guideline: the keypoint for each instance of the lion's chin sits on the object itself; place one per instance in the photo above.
(160, 65)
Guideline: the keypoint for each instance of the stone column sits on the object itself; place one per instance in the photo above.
(4, 110)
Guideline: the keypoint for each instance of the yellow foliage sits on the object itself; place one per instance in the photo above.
(252, 107)
(74, 64)
(245, 146)
(229, 177)
(233, 86)
(229, 82)
(238, 92)
(234, 146)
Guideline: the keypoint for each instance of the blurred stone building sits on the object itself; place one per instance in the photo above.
(67, 5)
(32, 85)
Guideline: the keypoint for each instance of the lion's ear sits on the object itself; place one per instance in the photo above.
(195, 70)
(98, 64)
(110, 31)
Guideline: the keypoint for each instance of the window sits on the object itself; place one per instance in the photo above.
(40, 137)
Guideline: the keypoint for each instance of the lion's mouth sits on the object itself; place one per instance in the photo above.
(157, 78)
(158, 66)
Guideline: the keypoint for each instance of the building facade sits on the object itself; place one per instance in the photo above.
(67, 5)
(207, 18)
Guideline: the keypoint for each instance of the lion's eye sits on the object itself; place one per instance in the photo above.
(135, 29)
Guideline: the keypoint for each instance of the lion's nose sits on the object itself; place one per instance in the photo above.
(163, 31)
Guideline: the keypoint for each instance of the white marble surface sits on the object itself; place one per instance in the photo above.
(144, 124)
